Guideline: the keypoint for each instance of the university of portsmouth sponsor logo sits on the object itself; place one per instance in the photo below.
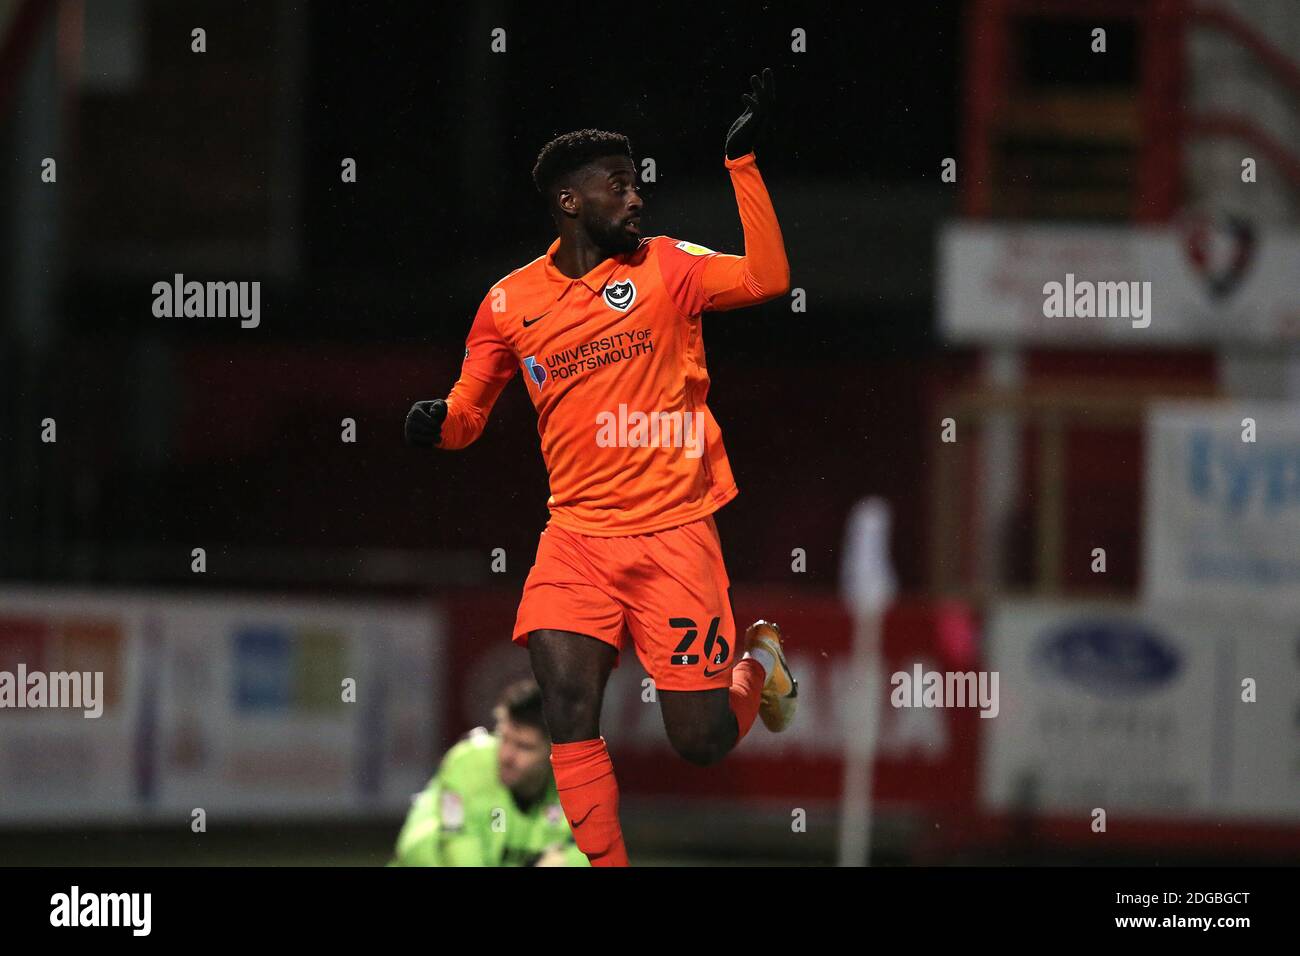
(535, 370)
(597, 353)
(620, 295)
(635, 429)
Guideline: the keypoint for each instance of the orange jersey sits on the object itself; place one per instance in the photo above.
(614, 363)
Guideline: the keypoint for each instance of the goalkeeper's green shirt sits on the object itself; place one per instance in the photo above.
(467, 817)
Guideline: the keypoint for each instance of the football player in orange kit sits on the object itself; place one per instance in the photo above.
(606, 327)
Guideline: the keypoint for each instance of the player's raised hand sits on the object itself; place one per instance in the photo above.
(745, 132)
(424, 422)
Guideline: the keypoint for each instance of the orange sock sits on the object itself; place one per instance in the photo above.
(747, 679)
(584, 776)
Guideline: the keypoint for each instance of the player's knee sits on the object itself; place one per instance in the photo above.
(701, 754)
(701, 749)
(572, 712)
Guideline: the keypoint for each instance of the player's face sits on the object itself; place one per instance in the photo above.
(611, 204)
(524, 758)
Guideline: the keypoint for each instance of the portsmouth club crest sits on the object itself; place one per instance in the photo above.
(620, 295)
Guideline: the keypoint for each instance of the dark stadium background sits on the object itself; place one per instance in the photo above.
(239, 442)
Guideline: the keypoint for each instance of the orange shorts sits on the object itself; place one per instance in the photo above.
(668, 589)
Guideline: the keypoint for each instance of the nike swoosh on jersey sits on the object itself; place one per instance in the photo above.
(528, 322)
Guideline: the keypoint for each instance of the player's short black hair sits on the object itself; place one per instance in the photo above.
(572, 151)
(523, 703)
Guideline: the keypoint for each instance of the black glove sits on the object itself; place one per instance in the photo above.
(424, 422)
(744, 133)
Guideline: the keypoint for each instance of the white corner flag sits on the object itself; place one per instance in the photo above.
(867, 587)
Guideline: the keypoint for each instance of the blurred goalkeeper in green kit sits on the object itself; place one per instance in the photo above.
(493, 800)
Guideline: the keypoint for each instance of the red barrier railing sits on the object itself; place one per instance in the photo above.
(1166, 127)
